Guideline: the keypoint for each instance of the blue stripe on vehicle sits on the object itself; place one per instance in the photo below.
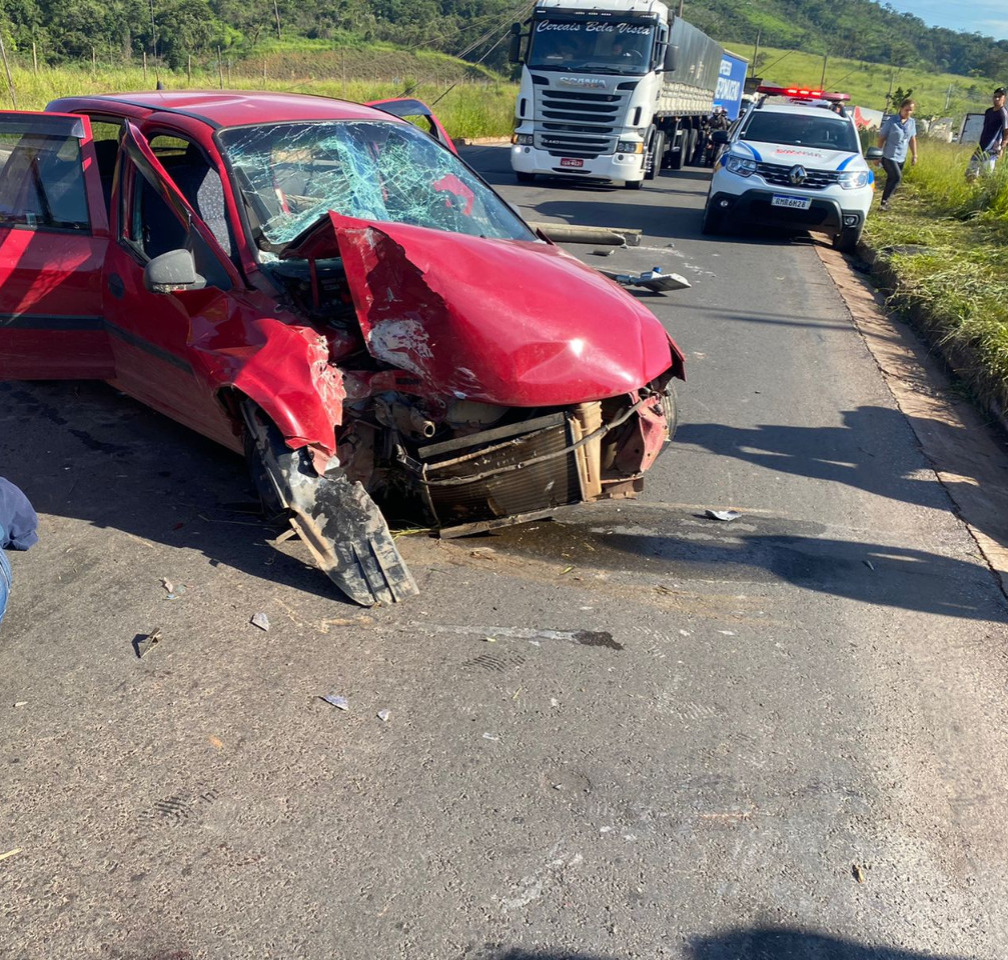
(844, 164)
(871, 176)
(756, 156)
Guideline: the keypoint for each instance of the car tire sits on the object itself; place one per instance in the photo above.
(633, 184)
(847, 239)
(711, 221)
(272, 501)
(523, 177)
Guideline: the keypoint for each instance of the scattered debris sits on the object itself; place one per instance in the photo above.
(340, 703)
(490, 736)
(383, 715)
(580, 233)
(604, 252)
(10, 853)
(489, 639)
(652, 279)
(869, 564)
(173, 592)
(858, 873)
(20, 703)
(261, 621)
(168, 585)
(726, 515)
(144, 643)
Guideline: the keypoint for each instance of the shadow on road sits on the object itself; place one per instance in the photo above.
(80, 449)
(759, 943)
(782, 943)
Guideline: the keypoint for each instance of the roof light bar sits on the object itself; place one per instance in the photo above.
(804, 93)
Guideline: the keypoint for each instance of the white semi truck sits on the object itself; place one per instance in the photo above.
(610, 90)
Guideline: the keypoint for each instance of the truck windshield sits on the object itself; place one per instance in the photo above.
(827, 132)
(591, 45)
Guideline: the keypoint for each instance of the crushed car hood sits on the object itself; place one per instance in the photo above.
(501, 321)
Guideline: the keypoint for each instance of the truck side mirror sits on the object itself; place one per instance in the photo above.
(671, 57)
(514, 50)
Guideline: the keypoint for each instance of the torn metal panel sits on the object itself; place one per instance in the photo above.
(338, 522)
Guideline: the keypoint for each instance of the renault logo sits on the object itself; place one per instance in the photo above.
(797, 175)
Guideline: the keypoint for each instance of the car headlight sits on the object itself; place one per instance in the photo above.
(740, 165)
(854, 179)
(523, 139)
(629, 146)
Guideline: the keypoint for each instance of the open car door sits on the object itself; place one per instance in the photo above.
(53, 240)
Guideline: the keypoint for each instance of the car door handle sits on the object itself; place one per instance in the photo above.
(116, 286)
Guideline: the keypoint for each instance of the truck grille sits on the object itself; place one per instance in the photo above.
(578, 124)
(779, 175)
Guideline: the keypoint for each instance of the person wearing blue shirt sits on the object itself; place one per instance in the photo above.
(17, 532)
(896, 135)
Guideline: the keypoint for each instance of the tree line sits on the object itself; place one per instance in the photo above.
(172, 30)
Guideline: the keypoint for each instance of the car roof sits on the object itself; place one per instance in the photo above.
(223, 108)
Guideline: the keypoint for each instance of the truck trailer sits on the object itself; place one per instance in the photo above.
(610, 90)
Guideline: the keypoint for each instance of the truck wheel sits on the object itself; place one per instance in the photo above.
(711, 221)
(691, 145)
(655, 155)
(522, 177)
(846, 240)
(678, 157)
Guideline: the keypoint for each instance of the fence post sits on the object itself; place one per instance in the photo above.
(145, 68)
(10, 79)
(220, 69)
(34, 59)
(189, 70)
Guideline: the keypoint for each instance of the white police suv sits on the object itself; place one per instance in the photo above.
(793, 161)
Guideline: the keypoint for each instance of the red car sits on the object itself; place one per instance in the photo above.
(323, 286)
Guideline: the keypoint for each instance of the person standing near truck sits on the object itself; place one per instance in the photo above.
(17, 532)
(896, 135)
(993, 137)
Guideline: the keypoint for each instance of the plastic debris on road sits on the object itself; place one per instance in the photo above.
(725, 515)
(383, 715)
(340, 703)
(143, 644)
(261, 621)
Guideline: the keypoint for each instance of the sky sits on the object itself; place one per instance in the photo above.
(986, 17)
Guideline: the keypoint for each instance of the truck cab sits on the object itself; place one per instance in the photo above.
(590, 80)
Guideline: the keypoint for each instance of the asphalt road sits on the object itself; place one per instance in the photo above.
(632, 732)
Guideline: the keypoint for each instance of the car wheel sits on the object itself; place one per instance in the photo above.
(711, 220)
(522, 177)
(846, 240)
(634, 184)
(273, 503)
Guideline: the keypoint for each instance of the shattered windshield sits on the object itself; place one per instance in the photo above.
(596, 46)
(291, 174)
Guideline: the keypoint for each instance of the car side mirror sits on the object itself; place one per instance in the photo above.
(171, 271)
(720, 136)
(873, 153)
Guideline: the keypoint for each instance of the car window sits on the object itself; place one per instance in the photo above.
(42, 182)
(291, 174)
(155, 229)
(826, 132)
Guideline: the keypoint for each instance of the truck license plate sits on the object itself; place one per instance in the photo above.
(794, 203)
(571, 162)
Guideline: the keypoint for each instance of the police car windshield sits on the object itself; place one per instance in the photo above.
(826, 132)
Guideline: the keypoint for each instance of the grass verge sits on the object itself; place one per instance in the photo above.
(940, 252)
